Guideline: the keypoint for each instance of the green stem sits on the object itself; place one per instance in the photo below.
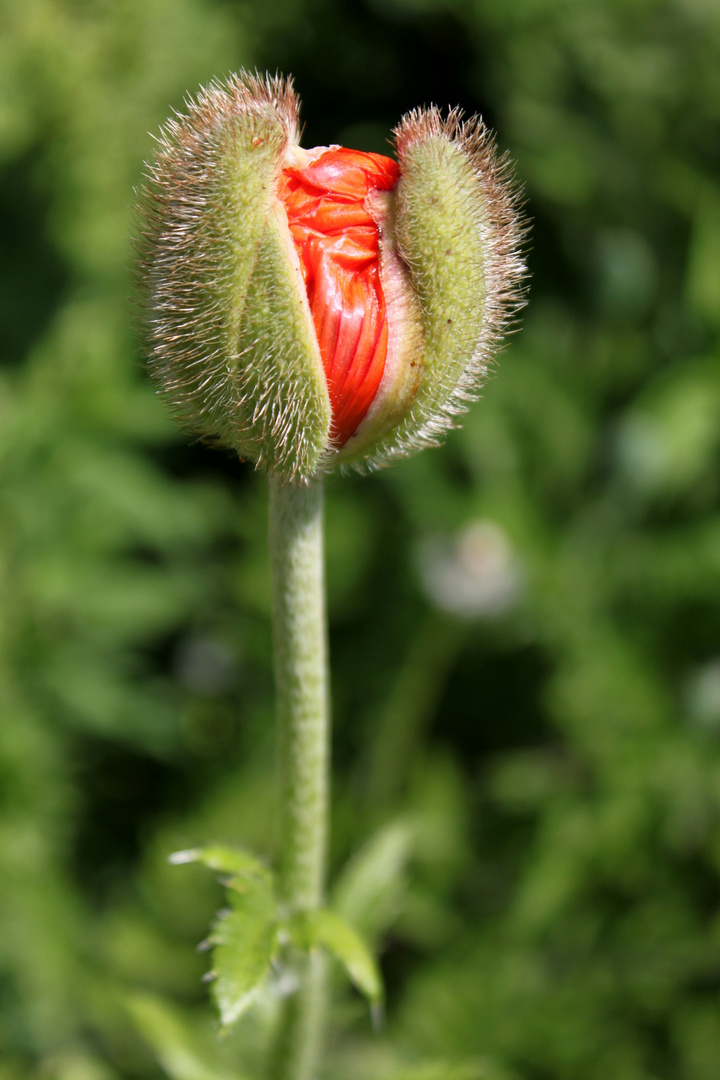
(301, 678)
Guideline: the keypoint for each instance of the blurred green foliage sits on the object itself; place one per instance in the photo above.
(525, 624)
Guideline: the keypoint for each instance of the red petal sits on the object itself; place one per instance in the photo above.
(337, 241)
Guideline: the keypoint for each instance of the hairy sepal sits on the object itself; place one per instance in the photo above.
(226, 321)
(279, 374)
(455, 228)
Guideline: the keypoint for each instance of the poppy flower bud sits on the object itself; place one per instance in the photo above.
(313, 308)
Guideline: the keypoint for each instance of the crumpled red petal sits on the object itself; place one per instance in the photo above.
(338, 245)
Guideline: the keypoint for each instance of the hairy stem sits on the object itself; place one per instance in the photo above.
(301, 678)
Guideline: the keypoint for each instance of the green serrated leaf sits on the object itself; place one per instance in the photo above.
(325, 929)
(245, 940)
(223, 859)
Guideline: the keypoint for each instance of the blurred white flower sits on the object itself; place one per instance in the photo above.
(702, 695)
(472, 574)
(205, 666)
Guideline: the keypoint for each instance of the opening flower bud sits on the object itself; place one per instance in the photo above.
(313, 308)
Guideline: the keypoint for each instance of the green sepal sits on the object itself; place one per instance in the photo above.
(226, 320)
(278, 373)
(455, 225)
(439, 221)
(324, 929)
(436, 225)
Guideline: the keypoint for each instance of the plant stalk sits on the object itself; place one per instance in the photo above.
(301, 681)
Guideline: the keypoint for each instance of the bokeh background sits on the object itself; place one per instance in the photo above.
(525, 625)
